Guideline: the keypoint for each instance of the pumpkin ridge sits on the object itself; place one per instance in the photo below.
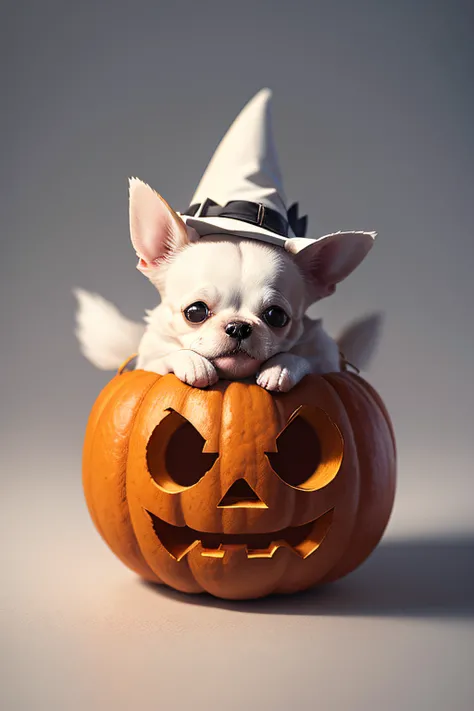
(353, 557)
(315, 392)
(108, 392)
(190, 398)
(140, 566)
(356, 461)
(139, 403)
(345, 379)
(381, 406)
(256, 410)
(376, 402)
(172, 394)
(341, 400)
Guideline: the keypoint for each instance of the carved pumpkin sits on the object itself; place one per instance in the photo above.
(236, 491)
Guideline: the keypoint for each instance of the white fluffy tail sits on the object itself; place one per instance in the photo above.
(358, 342)
(106, 337)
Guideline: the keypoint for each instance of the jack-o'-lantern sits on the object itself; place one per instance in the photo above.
(237, 491)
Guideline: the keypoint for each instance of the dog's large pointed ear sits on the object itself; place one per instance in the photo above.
(330, 259)
(156, 230)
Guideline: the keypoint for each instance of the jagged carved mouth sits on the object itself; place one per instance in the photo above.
(302, 540)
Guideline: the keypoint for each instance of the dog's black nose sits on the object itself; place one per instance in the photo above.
(239, 330)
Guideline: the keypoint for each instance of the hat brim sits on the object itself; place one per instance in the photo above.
(213, 225)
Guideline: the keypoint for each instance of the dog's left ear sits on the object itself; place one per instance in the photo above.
(156, 230)
(330, 259)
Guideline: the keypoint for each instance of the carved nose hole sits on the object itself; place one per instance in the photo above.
(241, 495)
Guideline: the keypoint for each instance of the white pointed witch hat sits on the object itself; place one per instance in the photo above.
(241, 192)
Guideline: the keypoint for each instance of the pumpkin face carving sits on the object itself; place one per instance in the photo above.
(236, 491)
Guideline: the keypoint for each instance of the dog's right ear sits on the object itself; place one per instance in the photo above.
(330, 259)
(156, 231)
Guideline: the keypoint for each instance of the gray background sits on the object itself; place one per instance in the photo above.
(373, 109)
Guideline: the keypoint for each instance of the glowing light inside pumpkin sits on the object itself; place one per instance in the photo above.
(302, 540)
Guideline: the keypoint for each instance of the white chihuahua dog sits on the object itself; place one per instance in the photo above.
(235, 274)
(231, 308)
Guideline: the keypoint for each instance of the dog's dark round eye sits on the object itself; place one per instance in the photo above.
(276, 317)
(197, 312)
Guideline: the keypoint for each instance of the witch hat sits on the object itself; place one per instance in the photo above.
(241, 192)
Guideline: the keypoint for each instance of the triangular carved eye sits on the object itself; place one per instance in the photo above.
(309, 450)
(174, 454)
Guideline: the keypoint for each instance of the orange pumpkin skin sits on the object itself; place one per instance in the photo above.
(235, 491)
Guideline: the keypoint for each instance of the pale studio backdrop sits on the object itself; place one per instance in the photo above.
(373, 114)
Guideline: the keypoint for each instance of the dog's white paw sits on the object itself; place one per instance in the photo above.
(282, 372)
(276, 378)
(192, 368)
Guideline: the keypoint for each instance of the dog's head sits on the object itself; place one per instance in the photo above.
(235, 301)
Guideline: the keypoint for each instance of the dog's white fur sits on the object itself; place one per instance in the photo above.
(106, 337)
(238, 279)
